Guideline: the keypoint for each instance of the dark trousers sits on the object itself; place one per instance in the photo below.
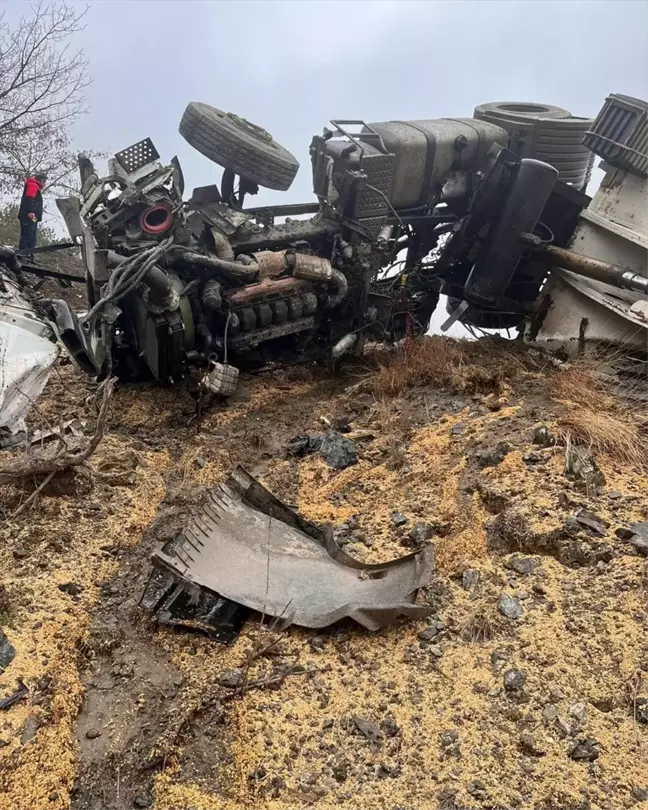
(27, 234)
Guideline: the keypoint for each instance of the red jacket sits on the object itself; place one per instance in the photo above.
(32, 199)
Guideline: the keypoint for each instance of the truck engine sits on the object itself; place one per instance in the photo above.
(405, 211)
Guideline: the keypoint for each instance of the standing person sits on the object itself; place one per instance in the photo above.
(30, 212)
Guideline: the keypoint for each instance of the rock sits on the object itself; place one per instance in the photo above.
(640, 543)
(477, 788)
(556, 694)
(420, 533)
(398, 519)
(521, 564)
(435, 650)
(603, 704)
(142, 801)
(563, 726)
(303, 445)
(70, 588)
(499, 657)
(428, 634)
(458, 429)
(32, 724)
(582, 466)
(306, 780)
(199, 461)
(640, 536)
(636, 534)
(93, 733)
(550, 713)
(448, 738)
(20, 552)
(642, 710)
(368, 729)
(532, 745)
(640, 794)
(572, 527)
(390, 727)
(317, 643)
(494, 455)
(584, 750)
(578, 711)
(470, 578)
(534, 457)
(509, 606)
(7, 651)
(614, 495)
(542, 436)
(340, 768)
(592, 522)
(231, 678)
(338, 451)
(514, 679)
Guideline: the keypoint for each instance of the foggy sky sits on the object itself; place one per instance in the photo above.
(292, 66)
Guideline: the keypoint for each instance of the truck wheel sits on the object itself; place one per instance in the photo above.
(238, 145)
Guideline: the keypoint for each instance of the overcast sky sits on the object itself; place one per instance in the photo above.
(292, 66)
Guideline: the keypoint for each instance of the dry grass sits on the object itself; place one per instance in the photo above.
(483, 624)
(598, 418)
(510, 532)
(463, 366)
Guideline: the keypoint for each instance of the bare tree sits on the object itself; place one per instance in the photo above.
(43, 81)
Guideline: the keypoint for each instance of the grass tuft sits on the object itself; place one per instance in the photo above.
(597, 417)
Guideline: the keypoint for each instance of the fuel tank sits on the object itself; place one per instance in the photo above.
(428, 153)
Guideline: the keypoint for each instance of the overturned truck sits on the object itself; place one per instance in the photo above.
(478, 209)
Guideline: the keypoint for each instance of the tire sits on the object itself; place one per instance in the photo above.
(522, 111)
(238, 145)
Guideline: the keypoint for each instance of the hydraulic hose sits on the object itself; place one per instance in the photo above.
(236, 270)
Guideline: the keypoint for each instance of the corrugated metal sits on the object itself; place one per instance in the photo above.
(620, 134)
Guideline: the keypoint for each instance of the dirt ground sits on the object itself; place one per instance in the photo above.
(467, 709)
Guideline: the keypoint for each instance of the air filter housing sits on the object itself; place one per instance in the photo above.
(544, 132)
(620, 134)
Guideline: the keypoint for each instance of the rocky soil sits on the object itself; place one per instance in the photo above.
(526, 688)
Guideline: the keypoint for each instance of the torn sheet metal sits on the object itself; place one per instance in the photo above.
(27, 353)
(73, 427)
(586, 311)
(248, 546)
(178, 603)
